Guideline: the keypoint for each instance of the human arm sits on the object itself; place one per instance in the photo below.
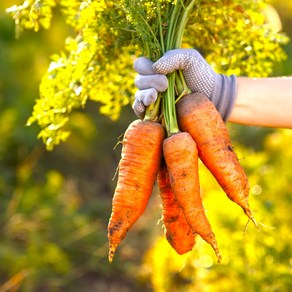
(250, 101)
(263, 102)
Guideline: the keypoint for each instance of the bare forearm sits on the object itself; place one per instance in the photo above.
(263, 102)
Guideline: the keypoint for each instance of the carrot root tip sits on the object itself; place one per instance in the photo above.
(219, 257)
(264, 225)
(112, 251)
(248, 212)
(255, 223)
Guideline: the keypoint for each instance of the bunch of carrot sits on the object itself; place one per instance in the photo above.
(168, 149)
(148, 154)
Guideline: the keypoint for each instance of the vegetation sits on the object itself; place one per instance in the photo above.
(55, 205)
(96, 63)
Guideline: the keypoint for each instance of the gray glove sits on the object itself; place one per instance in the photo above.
(199, 77)
(149, 84)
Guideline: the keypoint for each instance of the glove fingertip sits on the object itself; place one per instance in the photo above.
(150, 97)
(143, 66)
(163, 83)
(139, 108)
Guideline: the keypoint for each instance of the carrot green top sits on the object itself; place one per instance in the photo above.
(160, 25)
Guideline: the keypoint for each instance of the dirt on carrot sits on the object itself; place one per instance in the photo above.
(198, 116)
(181, 157)
(138, 169)
(178, 232)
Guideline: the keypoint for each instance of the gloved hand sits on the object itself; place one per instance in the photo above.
(149, 84)
(199, 77)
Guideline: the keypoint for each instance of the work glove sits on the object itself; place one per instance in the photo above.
(149, 84)
(198, 74)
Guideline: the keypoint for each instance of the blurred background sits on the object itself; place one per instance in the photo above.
(55, 205)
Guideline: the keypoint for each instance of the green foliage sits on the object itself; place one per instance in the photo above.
(32, 15)
(236, 38)
(148, 22)
(97, 61)
(87, 71)
(43, 225)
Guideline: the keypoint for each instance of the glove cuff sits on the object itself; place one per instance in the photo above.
(224, 95)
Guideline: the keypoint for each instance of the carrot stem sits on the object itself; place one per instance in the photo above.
(176, 82)
(169, 107)
(160, 30)
(183, 22)
(153, 110)
(181, 86)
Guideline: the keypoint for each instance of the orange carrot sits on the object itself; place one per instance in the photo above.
(177, 230)
(181, 157)
(198, 116)
(138, 169)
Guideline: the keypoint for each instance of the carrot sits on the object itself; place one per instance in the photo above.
(138, 169)
(177, 230)
(181, 157)
(198, 116)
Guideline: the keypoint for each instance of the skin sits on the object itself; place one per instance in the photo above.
(264, 102)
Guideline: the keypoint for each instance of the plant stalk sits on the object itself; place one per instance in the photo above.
(176, 82)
